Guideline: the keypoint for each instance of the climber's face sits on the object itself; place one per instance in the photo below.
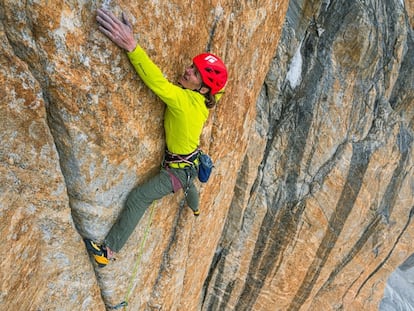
(191, 79)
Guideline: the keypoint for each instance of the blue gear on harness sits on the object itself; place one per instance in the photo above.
(205, 167)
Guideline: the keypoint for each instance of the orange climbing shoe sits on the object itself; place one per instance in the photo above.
(99, 252)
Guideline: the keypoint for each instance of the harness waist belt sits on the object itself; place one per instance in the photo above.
(182, 164)
(181, 161)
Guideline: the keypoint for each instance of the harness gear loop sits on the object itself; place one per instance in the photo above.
(187, 183)
(174, 160)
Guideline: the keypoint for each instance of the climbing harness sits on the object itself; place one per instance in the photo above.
(179, 160)
(124, 304)
(172, 160)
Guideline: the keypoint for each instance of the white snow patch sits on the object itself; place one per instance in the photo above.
(398, 294)
(294, 75)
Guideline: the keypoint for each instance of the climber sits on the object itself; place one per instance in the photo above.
(187, 108)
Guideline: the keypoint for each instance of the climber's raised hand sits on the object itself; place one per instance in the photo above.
(120, 32)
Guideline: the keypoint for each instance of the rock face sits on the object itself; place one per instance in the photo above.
(107, 128)
(43, 262)
(328, 214)
(311, 200)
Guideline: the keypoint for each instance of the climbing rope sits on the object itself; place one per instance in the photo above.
(124, 304)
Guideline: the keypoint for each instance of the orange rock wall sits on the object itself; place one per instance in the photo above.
(322, 214)
(107, 127)
(310, 204)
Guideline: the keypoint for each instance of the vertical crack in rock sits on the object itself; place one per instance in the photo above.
(269, 249)
(384, 209)
(276, 229)
(217, 265)
(369, 230)
(410, 216)
(165, 265)
(405, 142)
(361, 153)
(281, 220)
(21, 37)
(22, 52)
(53, 118)
(231, 228)
(218, 14)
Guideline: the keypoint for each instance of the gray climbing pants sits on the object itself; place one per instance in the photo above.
(142, 197)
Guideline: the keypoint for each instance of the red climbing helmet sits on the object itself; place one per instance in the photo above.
(213, 71)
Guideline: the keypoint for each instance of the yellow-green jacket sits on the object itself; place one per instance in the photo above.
(186, 111)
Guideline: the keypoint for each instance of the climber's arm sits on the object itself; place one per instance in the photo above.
(121, 33)
(153, 77)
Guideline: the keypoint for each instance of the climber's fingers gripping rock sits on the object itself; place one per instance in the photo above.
(120, 32)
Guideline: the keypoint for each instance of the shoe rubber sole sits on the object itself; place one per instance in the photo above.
(98, 253)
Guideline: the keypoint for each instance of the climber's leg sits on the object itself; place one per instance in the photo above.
(137, 202)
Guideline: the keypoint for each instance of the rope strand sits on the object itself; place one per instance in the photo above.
(124, 303)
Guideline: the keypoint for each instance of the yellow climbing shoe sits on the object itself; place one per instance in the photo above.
(196, 213)
(99, 252)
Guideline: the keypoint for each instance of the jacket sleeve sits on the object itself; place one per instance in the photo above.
(152, 76)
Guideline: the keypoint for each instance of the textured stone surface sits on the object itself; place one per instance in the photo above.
(107, 126)
(409, 5)
(43, 263)
(311, 200)
(329, 215)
